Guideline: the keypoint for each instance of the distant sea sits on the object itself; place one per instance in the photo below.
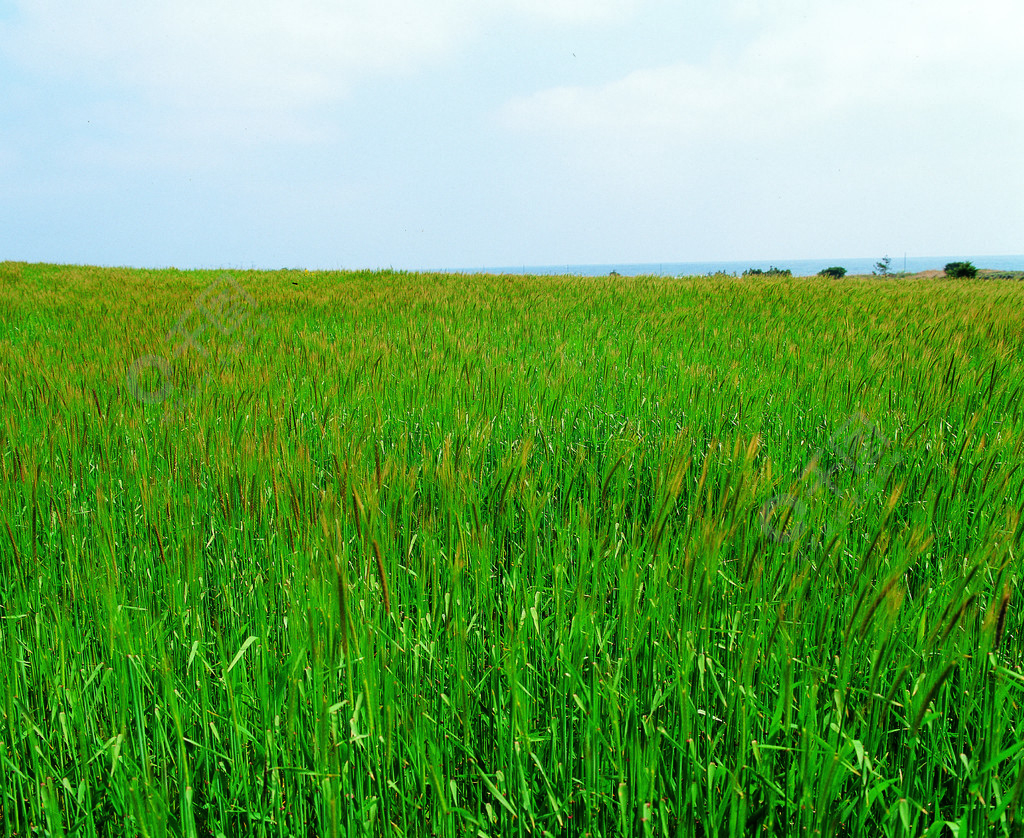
(799, 267)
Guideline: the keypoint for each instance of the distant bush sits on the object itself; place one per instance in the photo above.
(882, 267)
(961, 270)
(835, 273)
(772, 271)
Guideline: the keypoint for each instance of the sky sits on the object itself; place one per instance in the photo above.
(456, 134)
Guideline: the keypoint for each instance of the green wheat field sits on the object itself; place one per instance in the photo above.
(382, 553)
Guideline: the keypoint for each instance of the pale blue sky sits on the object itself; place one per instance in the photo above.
(456, 134)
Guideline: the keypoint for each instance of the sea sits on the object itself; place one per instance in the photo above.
(799, 267)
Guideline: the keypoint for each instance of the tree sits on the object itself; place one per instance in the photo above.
(835, 273)
(771, 272)
(961, 270)
(882, 267)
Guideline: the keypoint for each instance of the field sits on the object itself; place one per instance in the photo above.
(289, 553)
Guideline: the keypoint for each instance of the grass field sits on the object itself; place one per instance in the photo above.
(408, 555)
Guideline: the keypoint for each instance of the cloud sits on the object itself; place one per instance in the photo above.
(808, 67)
(201, 83)
(256, 54)
(574, 11)
(228, 54)
(804, 128)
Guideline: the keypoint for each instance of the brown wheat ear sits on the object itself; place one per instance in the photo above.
(1001, 622)
(383, 578)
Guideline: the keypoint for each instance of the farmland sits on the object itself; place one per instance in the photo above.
(289, 553)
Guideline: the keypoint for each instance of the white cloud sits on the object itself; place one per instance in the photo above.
(831, 63)
(191, 83)
(229, 54)
(866, 121)
(257, 54)
(575, 11)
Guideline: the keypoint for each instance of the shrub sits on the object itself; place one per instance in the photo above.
(961, 270)
(772, 271)
(835, 272)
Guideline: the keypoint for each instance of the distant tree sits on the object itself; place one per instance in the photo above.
(961, 270)
(835, 273)
(882, 267)
(772, 271)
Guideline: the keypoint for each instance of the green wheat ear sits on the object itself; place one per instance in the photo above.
(414, 554)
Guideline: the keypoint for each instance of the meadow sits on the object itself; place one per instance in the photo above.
(290, 553)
